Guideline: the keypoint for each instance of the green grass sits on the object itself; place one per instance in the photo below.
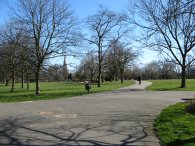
(171, 85)
(175, 126)
(54, 90)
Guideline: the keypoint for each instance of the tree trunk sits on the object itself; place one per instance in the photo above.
(22, 86)
(37, 91)
(6, 81)
(183, 77)
(116, 77)
(99, 74)
(99, 62)
(91, 77)
(99, 79)
(27, 82)
(110, 78)
(13, 81)
(122, 77)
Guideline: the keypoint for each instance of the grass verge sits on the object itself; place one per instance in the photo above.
(171, 85)
(175, 126)
(54, 90)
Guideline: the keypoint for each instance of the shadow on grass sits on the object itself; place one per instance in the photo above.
(191, 108)
(55, 95)
(189, 142)
(168, 89)
(42, 96)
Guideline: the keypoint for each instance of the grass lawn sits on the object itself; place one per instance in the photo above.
(54, 90)
(175, 126)
(171, 85)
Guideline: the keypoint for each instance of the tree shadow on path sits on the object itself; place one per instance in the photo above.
(37, 131)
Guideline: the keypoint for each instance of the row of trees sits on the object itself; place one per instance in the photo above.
(115, 61)
(43, 29)
(88, 70)
(160, 69)
(39, 30)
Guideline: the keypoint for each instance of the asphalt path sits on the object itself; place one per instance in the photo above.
(120, 117)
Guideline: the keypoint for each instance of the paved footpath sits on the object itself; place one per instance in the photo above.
(120, 117)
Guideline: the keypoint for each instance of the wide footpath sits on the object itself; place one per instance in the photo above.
(120, 117)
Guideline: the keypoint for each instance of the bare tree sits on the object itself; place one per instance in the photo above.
(51, 25)
(169, 29)
(111, 65)
(165, 69)
(25, 58)
(90, 65)
(11, 40)
(120, 56)
(125, 57)
(103, 26)
(151, 70)
(54, 73)
(4, 70)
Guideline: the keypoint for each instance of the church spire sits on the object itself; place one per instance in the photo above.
(65, 69)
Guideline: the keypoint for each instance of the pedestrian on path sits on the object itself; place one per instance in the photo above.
(139, 78)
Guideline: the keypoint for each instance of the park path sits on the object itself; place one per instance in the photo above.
(120, 117)
(136, 86)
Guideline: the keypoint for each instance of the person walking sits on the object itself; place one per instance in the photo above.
(139, 78)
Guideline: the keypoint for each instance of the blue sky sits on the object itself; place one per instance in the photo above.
(3, 10)
(82, 9)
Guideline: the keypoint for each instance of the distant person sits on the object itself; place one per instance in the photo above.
(139, 78)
